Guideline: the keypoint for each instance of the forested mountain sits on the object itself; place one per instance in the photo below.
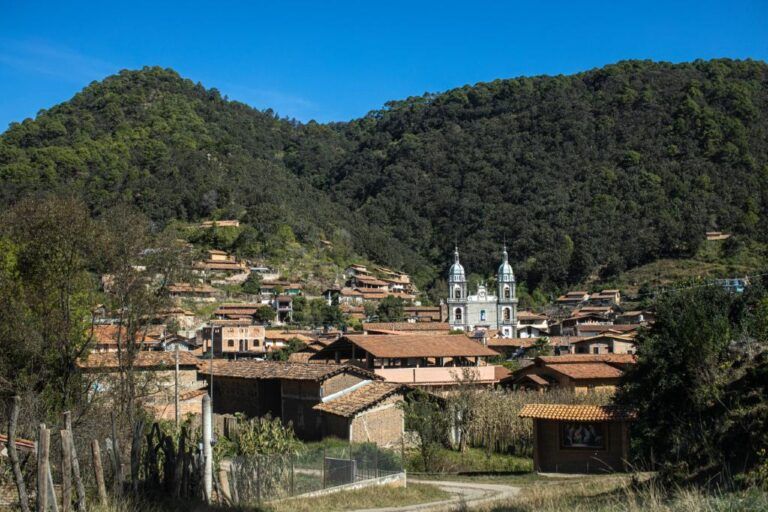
(585, 174)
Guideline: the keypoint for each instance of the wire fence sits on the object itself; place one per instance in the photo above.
(252, 480)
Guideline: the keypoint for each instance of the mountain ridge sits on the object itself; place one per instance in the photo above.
(595, 172)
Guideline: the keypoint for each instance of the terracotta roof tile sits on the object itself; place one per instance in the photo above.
(366, 396)
(252, 369)
(406, 326)
(576, 412)
(109, 360)
(414, 345)
(588, 358)
(579, 371)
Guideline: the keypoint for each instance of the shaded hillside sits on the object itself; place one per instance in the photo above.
(585, 176)
(179, 151)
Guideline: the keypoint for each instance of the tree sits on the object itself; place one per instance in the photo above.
(264, 314)
(424, 415)
(390, 309)
(294, 345)
(696, 383)
(252, 285)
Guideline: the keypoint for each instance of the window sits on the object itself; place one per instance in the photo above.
(457, 314)
(457, 292)
(230, 343)
(482, 315)
(507, 314)
(595, 350)
(507, 293)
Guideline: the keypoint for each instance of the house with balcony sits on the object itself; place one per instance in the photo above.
(532, 325)
(283, 306)
(433, 361)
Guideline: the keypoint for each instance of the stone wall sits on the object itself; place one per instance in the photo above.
(382, 424)
(339, 382)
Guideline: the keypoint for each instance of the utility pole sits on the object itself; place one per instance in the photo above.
(207, 450)
(176, 388)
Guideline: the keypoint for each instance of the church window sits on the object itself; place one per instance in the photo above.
(457, 314)
(507, 314)
(507, 293)
(482, 315)
(457, 292)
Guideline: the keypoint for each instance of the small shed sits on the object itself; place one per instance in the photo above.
(579, 438)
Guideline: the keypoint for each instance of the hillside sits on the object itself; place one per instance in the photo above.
(586, 176)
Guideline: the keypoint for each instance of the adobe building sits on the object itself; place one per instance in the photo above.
(579, 438)
(427, 360)
(579, 373)
(295, 392)
(367, 413)
(155, 380)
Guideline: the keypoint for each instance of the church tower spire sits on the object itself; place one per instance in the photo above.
(507, 298)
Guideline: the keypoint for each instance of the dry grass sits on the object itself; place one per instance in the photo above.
(617, 494)
(371, 497)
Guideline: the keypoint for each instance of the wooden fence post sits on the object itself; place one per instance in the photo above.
(98, 472)
(43, 445)
(54, 503)
(75, 464)
(66, 471)
(21, 488)
(119, 480)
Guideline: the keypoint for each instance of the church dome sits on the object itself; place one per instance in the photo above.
(505, 274)
(456, 272)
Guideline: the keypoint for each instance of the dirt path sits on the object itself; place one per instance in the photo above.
(465, 494)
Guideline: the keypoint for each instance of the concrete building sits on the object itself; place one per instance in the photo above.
(483, 310)
(579, 438)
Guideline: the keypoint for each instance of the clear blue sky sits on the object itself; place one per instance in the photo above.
(329, 60)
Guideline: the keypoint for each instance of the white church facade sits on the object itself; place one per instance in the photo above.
(483, 310)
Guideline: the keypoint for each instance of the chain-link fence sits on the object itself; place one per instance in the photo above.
(247, 481)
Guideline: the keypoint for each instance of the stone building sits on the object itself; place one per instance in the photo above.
(483, 310)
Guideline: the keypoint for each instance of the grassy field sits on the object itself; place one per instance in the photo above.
(711, 261)
(474, 460)
(372, 497)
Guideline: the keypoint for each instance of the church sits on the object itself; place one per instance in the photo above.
(483, 311)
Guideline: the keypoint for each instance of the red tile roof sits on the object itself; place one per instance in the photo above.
(366, 396)
(406, 326)
(415, 345)
(588, 358)
(584, 413)
(586, 371)
(251, 369)
(109, 360)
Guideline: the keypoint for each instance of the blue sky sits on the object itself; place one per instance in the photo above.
(333, 61)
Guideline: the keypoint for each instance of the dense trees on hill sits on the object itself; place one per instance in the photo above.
(583, 175)
(700, 386)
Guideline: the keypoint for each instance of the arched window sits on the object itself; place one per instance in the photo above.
(507, 292)
(507, 314)
(457, 292)
(457, 314)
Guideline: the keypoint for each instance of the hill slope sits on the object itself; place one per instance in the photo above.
(584, 175)
(178, 151)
